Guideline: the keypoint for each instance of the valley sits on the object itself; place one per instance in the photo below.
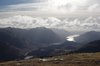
(45, 47)
(49, 32)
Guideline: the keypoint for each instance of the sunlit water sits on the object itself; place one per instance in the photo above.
(71, 38)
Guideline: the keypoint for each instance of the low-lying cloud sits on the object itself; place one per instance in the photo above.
(19, 21)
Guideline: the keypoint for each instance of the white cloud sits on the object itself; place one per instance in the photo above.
(64, 5)
(51, 22)
(94, 7)
(56, 6)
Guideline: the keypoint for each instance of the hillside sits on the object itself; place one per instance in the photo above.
(88, 37)
(26, 38)
(54, 50)
(14, 41)
(8, 52)
(80, 59)
(93, 46)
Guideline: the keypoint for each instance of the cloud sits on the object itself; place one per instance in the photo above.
(64, 5)
(94, 7)
(23, 7)
(20, 5)
(19, 21)
(53, 6)
(12, 2)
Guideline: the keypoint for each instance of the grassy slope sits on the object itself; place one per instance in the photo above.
(79, 59)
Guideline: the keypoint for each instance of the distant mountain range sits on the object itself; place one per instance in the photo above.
(87, 42)
(90, 47)
(18, 43)
(14, 41)
(88, 37)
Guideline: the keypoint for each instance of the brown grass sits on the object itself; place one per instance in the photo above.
(80, 59)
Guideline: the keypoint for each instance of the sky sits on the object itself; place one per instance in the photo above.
(49, 13)
(50, 7)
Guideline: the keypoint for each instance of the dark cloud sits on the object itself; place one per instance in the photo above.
(5, 3)
(11, 2)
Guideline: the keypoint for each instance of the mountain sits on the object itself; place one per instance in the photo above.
(91, 47)
(61, 32)
(8, 52)
(54, 50)
(14, 41)
(44, 35)
(23, 38)
(88, 37)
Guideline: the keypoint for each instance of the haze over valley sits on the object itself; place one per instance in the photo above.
(50, 33)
